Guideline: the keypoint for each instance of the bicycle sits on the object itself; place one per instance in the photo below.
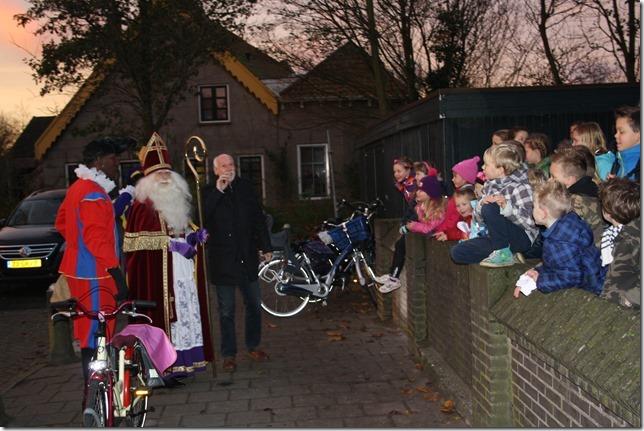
(121, 373)
(310, 270)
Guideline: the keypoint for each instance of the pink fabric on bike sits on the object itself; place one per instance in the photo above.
(156, 342)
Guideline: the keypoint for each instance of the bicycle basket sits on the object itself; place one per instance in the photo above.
(339, 237)
(357, 229)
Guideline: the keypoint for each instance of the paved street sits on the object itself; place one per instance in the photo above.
(334, 366)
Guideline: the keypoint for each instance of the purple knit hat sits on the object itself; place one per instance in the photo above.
(468, 169)
(430, 185)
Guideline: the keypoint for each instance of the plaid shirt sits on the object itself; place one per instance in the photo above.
(570, 258)
(518, 196)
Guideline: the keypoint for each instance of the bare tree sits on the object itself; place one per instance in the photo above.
(9, 132)
(619, 25)
(548, 16)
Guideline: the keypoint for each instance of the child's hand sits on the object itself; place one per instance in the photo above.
(486, 200)
(532, 273)
(517, 292)
(440, 236)
(499, 199)
(408, 225)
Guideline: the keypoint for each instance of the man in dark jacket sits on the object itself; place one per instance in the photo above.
(236, 223)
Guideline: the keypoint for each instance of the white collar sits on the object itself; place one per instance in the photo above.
(99, 177)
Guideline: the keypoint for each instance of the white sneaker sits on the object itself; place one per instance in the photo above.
(382, 279)
(390, 285)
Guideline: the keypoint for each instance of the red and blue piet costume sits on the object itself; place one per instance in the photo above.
(85, 219)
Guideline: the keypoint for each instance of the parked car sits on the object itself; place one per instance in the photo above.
(30, 246)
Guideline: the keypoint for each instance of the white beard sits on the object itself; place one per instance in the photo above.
(172, 200)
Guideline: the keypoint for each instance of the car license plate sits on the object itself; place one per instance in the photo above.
(24, 263)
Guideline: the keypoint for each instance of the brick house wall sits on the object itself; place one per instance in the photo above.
(253, 130)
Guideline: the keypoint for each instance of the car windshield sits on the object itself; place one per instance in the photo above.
(35, 211)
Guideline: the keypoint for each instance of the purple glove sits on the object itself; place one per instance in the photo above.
(198, 237)
(184, 249)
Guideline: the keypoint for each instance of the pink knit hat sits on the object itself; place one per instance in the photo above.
(468, 169)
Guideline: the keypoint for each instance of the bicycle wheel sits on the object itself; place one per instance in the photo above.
(271, 276)
(95, 413)
(139, 407)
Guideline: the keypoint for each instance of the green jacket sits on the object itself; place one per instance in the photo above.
(544, 165)
(589, 209)
(622, 284)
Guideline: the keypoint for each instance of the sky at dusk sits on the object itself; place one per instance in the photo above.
(19, 93)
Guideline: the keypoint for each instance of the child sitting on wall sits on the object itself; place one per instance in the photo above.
(536, 148)
(627, 137)
(405, 183)
(569, 168)
(465, 201)
(620, 243)
(570, 258)
(463, 177)
(505, 209)
(430, 209)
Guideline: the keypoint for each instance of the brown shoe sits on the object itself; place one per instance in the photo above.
(258, 355)
(229, 365)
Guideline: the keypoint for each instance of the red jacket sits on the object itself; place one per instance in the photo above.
(452, 217)
(86, 220)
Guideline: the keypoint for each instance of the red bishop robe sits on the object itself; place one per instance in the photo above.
(149, 269)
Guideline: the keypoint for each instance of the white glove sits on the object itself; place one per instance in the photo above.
(127, 189)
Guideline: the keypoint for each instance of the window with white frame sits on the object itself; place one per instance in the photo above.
(313, 172)
(214, 104)
(252, 168)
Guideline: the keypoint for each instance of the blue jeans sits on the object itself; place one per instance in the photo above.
(501, 233)
(253, 316)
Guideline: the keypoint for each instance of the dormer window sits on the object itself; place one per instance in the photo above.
(214, 104)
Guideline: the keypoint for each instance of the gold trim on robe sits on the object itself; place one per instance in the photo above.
(145, 241)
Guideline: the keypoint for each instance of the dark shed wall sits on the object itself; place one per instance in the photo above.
(454, 124)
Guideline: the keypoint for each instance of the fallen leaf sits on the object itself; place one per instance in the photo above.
(448, 406)
(336, 337)
(271, 325)
(407, 391)
(424, 389)
(432, 397)
(334, 333)
(377, 335)
(419, 366)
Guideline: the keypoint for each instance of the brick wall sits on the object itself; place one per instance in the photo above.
(575, 360)
(544, 397)
(563, 359)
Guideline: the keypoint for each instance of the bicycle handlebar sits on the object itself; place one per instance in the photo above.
(73, 308)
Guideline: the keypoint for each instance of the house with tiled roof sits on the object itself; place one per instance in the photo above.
(293, 136)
